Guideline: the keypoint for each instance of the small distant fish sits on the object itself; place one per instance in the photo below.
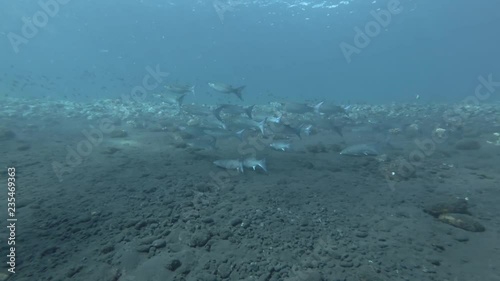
(307, 129)
(234, 110)
(197, 109)
(289, 130)
(274, 119)
(300, 108)
(360, 150)
(253, 163)
(221, 133)
(245, 123)
(282, 146)
(211, 122)
(180, 89)
(202, 144)
(176, 99)
(329, 109)
(227, 89)
(230, 164)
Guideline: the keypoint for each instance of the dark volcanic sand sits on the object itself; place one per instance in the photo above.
(150, 211)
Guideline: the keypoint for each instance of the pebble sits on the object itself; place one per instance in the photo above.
(346, 264)
(361, 234)
(224, 270)
(199, 239)
(236, 221)
(159, 243)
(173, 264)
(461, 237)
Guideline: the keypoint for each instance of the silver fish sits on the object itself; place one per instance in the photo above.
(227, 89)
(253, 163)
(360, 150)
(230, 164)
(202, 144)
(233, 110)
(329, 109)
(176, 99)
(180, 89)
(246, 123)
(300, 108)
(282, 146)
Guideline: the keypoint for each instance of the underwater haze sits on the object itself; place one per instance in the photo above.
(255, 140)
(283, 49)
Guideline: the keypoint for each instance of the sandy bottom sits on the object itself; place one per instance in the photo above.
(143, 208)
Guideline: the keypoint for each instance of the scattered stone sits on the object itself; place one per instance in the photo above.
(236, 221)
(3, 276)
(159, 243)
(173, 264)
(461, 237)
(224, 270)
(434, 261)
(143, 248)
(462, 221)
(468, 145)
(118, 134)
(110, 150)
(456, 206)
(108, 249)
(208, 220)
(199, 239)
(72, 271)
(140, 224)
(23, 147)
(346, 264)
(361, 234)
(6, 134)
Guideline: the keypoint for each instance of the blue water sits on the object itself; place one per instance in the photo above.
(281, 50)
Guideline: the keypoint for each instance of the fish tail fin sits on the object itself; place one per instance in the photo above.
(317, 107)
(248, 111)
(262, 164)
(261, 125)
(180, 100)
(217, 112)
(338, 130)
(238, 92)
(240, 168)
(239, 134)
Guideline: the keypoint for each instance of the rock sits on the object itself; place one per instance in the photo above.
(456, 206)
(72, 271)
(173, 264)
(143, 248)
(118, 133)
(346, 264)
(434, 261)
(461, 237)
(236, 221)
(107, 249)
(199, 239)
(224, 270)
(468, 144)
(159, 243)
(462, 221)
(361, 234)
(23, 147)
(6, 134)
(208, 220)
